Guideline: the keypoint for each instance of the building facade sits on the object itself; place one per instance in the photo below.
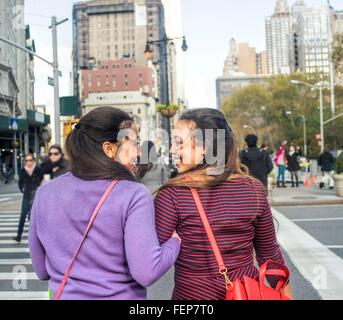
(226, 86)
(137, 104)
(243, 59)
(20, 123)
(279, 39)
(117, 76)
(114, 30)
(312, 39)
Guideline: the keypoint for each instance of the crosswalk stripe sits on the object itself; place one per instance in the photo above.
(13, 224)
(4, 199)
(8, 229)
(9, 250)
(15, 261)
(13, 242)
(18, 275)
(14, 215)
(24, 295)
(8, 234)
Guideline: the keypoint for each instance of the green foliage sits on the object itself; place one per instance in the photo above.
(161, 107)
(337, 54)
(339, 164)
(265, 108)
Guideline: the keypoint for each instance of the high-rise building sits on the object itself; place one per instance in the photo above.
(8, 61)
(338, 24)
(312, 38)
(113, 30)
(279, 39)
(262, 63)
(243, 59)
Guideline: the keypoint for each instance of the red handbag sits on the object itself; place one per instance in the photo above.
(248, 288)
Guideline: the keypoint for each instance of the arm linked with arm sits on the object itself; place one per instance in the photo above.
(147, 260)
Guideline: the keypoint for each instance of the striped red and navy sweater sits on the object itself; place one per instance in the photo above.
(241, 219)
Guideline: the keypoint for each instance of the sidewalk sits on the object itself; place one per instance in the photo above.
(302, 196)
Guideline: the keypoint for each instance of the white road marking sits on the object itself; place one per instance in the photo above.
(8, 229)
(8, 234)
(11, 195)
(317, 219)
(15, 261)
(4, 199)
(16, 275)
(10, 250)
(14, 215)
(13, 242)
(24, 295)
(309, 255)
(335, 247)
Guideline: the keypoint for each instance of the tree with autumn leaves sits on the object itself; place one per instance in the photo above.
(275, 111)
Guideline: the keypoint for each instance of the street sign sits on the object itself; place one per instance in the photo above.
(13, 123)
(50, 81)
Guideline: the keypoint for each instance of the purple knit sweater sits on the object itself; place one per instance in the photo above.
(121, 256)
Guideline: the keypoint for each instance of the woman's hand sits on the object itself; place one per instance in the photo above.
(175, 235)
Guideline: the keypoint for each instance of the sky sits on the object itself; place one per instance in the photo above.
(207, 25)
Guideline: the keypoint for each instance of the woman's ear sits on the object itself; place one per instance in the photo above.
(110, 149)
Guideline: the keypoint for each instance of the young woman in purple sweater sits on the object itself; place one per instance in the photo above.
(121, 255)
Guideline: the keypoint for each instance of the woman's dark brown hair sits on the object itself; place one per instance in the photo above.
(204, 119)
(84, 145)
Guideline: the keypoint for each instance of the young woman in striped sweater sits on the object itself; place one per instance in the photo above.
(235, 203)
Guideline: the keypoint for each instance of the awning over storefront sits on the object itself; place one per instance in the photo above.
(37, 119)
(34, 119)
(5, 124)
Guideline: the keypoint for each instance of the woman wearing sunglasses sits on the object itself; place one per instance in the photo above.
(56, 165)
(91, 249)
(30, 179)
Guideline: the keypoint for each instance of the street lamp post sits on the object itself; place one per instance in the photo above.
(320, 88)
(164, 94)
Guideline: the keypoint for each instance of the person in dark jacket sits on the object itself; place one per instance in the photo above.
(327, 163)
(30, 179)
(293, 165)
(56, 165)
(257, 160)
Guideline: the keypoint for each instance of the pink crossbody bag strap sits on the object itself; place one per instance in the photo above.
(90, 223)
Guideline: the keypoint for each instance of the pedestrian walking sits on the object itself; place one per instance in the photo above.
(280, 161)
(257, 160)
(55, 165)
(293, 166)
(327, 163)
(235, 204)
(100, 216)
(30, 178)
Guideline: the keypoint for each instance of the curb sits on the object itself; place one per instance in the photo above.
(276, 204)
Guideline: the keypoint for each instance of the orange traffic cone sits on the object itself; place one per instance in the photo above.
(313, 180)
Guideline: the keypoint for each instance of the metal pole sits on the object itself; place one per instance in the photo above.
(305, 137)
(57, 136)
(321, 119)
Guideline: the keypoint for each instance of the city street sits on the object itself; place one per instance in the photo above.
(311, 238)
